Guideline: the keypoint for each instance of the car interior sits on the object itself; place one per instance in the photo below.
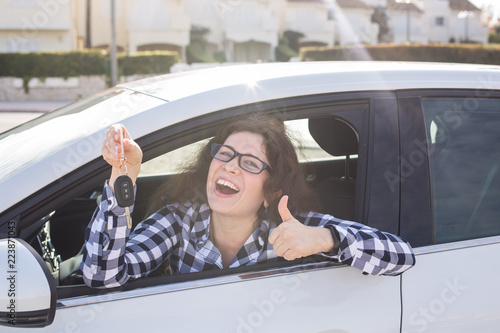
(59, 236)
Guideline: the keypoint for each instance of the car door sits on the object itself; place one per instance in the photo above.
(308, 295)
(450, 187)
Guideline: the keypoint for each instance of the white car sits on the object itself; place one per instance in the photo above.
(408, 148)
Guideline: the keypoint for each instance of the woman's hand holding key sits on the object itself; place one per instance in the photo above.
(112, 153)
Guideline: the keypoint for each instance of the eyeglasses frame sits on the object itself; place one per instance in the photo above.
(217, 146)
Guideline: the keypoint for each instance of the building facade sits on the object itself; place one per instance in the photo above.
(32, 25)
(242, 30)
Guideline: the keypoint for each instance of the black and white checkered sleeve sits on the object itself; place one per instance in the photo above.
(372, 251)
(102, 262)
(113, 256)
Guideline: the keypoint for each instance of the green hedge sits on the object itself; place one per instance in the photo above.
(458, 53)
(284, 53)
(91, 62)
(153, 62)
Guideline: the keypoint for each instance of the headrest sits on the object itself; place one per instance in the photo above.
(334, 136)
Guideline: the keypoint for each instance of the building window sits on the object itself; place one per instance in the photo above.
(15, 43)
(440, 21)
(331, 14)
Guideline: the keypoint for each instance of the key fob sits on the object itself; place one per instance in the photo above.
(124, 191)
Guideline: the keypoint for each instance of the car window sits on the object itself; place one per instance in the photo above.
(463, 137)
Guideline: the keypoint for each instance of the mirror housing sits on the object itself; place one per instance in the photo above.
(27, 289)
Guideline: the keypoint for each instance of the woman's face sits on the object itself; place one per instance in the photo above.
(232, 191)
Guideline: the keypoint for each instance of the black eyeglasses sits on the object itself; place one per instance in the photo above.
(247, 162)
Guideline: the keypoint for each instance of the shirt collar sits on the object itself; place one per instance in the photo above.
(252, 248)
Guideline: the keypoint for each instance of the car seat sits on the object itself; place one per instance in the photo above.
(336, 194)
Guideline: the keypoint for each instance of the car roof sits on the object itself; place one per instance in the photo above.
(338, 76)
(72, 136)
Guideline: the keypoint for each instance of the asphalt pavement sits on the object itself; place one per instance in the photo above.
(13, 113)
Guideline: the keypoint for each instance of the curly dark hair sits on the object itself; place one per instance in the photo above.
(287, 176)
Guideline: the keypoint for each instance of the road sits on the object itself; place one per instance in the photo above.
(12, 119)
(16, 113)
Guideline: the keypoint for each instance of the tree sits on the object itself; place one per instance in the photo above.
(196, 51)
(380, 16)
(292, 38)
(495, 35)
(288, 45)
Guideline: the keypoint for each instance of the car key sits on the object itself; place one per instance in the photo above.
(124, 189)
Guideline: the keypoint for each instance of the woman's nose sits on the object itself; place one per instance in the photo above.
(232, 166)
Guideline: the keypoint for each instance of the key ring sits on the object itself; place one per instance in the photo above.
(123, 160)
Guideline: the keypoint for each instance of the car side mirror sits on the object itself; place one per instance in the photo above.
(27, 289)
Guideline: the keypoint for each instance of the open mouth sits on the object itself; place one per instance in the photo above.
(225, 187)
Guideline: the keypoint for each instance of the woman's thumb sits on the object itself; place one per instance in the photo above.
(283, 209)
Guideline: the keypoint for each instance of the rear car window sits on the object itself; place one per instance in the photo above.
(464, 146)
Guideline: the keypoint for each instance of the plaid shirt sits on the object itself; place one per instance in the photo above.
(181, 232)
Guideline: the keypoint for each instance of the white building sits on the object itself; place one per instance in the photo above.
(407, 21)
(32, 25)
(437, 20)
(157, 25)
(465, 22)
(205, 15)
(353, 22)
(244, 30)
(251, 30)
(430, 21)
(140, 25)
(313, 19)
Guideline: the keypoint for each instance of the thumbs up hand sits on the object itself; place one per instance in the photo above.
(292, 239)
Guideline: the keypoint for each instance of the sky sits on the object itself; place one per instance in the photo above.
(494, 3)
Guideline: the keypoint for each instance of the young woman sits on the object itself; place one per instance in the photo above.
(243, 201)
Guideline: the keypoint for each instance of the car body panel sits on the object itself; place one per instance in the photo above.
(277, 303)
(451, 289)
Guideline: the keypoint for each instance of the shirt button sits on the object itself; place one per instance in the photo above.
(199, 245)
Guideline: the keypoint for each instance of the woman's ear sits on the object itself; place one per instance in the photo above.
(275, 196)
(278, 194)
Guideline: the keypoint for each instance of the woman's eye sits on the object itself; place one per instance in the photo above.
(225, 154)
(251, 164)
